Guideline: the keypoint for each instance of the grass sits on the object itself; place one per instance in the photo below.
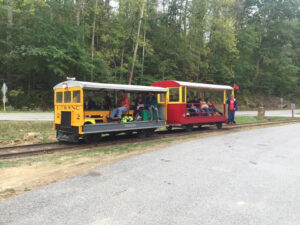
(12, 131)
(254, 119)
(6, 190)
(61, 158)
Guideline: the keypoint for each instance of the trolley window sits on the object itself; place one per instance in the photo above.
(183, 94)
(58, 97)
(218, 97)
(76, 96)
(162, 98)
(174, 94)
(67, 97)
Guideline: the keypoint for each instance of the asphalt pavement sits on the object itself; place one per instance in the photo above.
(28, 116)
(245, 178)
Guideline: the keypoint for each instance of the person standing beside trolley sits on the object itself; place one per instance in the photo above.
(232, 107)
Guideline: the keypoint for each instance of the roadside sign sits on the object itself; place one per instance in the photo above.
(4, 99)
(4, 89)
(293, 106)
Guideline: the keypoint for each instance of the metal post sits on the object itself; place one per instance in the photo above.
(293, 106)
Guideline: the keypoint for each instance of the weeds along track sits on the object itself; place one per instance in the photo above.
(47, 148)
(33, 149)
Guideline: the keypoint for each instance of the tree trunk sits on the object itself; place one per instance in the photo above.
(122, 61)
(9, 36)
(185, 19)
(78, 11)
(107, 7)
(93, 34)
(137, 43)
(143, 56)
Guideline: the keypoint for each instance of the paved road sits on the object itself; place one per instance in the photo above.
(246, 178)
(50, 116)
(280, 113)
(27, 116)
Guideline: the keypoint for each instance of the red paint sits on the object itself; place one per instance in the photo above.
(167, 83)
(177, 115)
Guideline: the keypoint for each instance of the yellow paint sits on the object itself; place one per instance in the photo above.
(89, 120)
(78, 115)
(76, 108)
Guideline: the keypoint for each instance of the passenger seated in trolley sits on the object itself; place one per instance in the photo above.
(139, 106)
(123, 107)
(89, 104)
(192, 106)
(212, 109)
(151, 103)
(204, 107)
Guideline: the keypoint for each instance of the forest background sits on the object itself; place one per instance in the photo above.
(253, 43)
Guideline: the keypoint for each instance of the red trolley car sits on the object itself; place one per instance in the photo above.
(188, 104)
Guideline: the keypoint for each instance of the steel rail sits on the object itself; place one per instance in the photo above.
(46, 148)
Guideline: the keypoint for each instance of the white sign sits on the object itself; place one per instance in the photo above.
(4, 99)
(4, 89)
(293, 106)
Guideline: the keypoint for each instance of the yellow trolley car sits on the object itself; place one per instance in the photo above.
(73, 121)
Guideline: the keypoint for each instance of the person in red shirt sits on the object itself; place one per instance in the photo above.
(124, 106)
(232, 107)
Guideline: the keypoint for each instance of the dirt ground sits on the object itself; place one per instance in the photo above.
(22, 178)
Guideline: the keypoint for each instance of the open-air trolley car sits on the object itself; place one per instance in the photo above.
(179, 104)
(191, 104)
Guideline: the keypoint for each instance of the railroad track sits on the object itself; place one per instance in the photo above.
(47, 148)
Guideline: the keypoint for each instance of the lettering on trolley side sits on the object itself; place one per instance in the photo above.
(129, 125)
(68, 107)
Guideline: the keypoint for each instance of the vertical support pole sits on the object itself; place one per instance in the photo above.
(180, 94)
(224, 105)
(4, 105)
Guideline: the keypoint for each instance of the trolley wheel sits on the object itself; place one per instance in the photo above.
(219, 125)
(149, 132)
(141, 134)
(112, 135)
(169, 128)
(189, 127)
(129, 133)
(91, 138)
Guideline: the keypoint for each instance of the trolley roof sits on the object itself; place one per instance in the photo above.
(103, 86)
(174, 83)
